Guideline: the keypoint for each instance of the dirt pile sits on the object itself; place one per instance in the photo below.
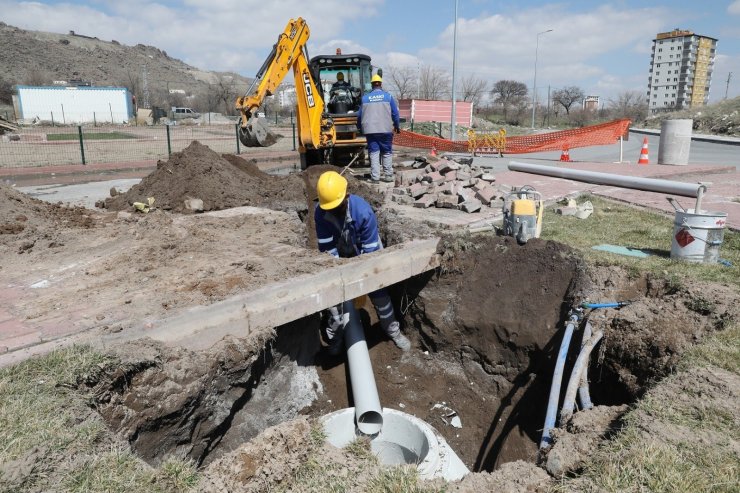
(26, 222)
(200, 173)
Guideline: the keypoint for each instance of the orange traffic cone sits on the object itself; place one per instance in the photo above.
(644, 158)
(565, 156)
(434, 151)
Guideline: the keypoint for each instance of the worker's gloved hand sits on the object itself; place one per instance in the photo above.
(397, 130)
(333, 329)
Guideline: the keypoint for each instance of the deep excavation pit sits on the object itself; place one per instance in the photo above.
(485, 330)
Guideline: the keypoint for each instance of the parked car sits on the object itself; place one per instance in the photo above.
(180, 113)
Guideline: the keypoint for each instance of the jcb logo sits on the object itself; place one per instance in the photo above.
(309, 91)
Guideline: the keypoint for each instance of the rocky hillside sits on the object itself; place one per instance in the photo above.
(722, 118)
(39, 58)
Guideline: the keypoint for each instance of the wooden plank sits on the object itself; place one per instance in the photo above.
(280, 303)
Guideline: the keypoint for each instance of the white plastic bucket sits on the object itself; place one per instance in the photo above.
(697, 237)
(404, 439)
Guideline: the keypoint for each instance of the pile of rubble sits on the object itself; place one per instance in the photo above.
(445, 183)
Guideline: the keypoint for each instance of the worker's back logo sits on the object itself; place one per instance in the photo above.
(309, 90)
(376, 98)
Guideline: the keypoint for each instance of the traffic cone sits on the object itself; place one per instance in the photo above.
(644, 158)
(565, 155)
(434, 151)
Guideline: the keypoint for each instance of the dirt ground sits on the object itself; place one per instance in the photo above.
(484, 340)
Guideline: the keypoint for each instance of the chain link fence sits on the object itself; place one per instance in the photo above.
(37, 146)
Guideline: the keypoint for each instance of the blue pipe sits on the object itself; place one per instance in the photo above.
(583, 393)
(557, 378)
(613, 304)
(575, 377)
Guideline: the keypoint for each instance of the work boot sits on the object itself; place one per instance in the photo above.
(388, 178)
(394, 332)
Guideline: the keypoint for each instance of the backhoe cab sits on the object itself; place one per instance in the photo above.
(326, 109)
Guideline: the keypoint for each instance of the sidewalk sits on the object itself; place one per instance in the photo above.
(722, 195)
(715, 139)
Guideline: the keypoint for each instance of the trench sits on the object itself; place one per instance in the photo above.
(485, 330)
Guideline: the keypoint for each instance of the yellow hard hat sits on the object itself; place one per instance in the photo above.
(376, 78)
(331, 188)
(340, 76)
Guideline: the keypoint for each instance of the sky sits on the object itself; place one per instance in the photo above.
(602, 47)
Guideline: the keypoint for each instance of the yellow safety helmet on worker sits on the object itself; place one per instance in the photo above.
(376, 78)
(331, 189)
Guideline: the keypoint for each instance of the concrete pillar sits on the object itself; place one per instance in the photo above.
(675, 142)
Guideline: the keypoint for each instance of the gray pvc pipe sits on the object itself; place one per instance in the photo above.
(634, 182)
(557, 379)
(575, 377)
(584, 395)
(368, 413)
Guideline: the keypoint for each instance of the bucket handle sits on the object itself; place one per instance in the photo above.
(685, 225)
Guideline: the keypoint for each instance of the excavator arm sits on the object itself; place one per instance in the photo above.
(289, 53)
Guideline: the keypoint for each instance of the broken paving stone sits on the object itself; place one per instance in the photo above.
(465, 194)
(425, 201)
(195, 205)
(417, 190)
(399, 191)
(489, 177)
(566, 211)
(486, 195)
(448, 166)
(435, 177)
(451, 175)
(407, 177)
(463, 175)
(469, 206)
(403, 199)
(447, 201)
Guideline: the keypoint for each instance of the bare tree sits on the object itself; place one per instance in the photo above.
(434, 83)
(225, 93)
(567, 97)
(132, 81)
(472, 89)
(629, 104)
(509, 93)
(401, 81)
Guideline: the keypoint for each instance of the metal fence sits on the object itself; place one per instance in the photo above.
(64, 145)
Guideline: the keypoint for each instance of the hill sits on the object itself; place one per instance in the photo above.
(721, 118)
(39, 58)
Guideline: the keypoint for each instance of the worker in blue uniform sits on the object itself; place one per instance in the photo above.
(377, 119)
(346, 227)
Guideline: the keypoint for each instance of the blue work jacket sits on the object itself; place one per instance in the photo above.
(359, 221)
(378, 113)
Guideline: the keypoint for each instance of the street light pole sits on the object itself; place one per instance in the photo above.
(454, 64)
(534, 86)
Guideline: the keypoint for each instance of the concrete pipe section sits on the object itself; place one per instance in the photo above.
(404, 439)
(675, 142)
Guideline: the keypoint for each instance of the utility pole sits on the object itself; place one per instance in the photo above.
(454, 64)
(145, 79)
(534, 85)
(727, 86)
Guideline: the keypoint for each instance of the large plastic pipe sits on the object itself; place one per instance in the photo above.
(575, 377)
(634, 182)
(368, 413)
(557, 378)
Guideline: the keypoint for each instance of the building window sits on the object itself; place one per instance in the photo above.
(654, 103)
(675, 79)
(673, 95)
(660, 49)
(655, 95)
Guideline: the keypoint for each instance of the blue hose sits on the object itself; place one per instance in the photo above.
(613, 304)
(557, 378)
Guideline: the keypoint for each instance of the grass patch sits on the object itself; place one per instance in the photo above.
(697, 451)
(89, 136)
(617, 224)
(403, 479)
(46, 419)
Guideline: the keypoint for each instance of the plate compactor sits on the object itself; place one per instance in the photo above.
(523, 209)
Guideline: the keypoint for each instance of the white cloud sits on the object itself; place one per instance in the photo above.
(503, 46)
(734, 7)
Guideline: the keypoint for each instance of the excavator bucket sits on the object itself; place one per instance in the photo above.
(256, 134)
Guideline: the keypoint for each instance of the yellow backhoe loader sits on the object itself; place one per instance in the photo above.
(325, 110)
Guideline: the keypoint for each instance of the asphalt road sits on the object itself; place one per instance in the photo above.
(701, 153)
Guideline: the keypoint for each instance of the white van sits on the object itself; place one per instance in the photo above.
(179, 113)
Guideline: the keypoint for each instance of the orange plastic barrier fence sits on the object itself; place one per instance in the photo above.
(601, 134)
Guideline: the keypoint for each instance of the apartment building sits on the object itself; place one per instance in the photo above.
(680, 70)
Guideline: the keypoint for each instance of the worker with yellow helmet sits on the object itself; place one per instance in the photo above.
(377, 119)
(346, 227)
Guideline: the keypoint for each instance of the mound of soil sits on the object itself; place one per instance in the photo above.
(26, 222)
(220, 182)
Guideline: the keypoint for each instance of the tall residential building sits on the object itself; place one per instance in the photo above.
(680, 70)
